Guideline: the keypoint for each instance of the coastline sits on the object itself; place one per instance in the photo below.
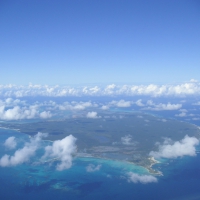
(148, 168)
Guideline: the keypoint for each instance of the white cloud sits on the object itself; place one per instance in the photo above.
(105, 107)
(196, 104)
(195, 118)
(161, 106)
(63, 150)
(150, 103)
(183, 110)
(11, 102)
(94, 90)
(25, 112)
(182, 114)
(121, 103)
(126, 139)
(93, 168)
(45, 114)
(193, 80)
(139, 102)
(24, 154)
(189, 88)
(110, 89)
(76, 105)
(112, 86)
(135, 178)
(82, 106)
(10, 143)
(92, 115)
(184, 147)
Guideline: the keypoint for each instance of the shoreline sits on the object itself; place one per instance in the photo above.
(146, 167)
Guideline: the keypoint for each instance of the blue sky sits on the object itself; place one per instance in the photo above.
(101, 41)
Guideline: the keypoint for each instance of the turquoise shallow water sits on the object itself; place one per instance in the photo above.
(35, 180)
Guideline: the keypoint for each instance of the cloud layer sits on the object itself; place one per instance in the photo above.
(191, 87)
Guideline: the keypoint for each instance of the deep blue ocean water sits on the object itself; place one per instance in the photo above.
(33, 180)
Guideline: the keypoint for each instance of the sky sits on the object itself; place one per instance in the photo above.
(102, 41)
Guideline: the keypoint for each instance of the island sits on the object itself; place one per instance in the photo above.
(121, 136)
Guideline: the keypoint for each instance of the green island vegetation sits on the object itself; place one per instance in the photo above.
(125, 137)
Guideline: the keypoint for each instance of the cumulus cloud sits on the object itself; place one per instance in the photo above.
(24, 112)
(105, 107)
(121, 103)
(11, 102)
(109, 89)
(93, 168)
(45, 114)
(135, 178)
(139, 102)
(10, 143)
(24, 154)
(169, 149)
(82, 105)
(63, 151)
(182, 114)
(92, 115)
(76, 105)
(161, 106)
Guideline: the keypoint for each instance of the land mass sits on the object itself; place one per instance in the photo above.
(126, 137)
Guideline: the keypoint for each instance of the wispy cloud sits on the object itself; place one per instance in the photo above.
(126, 140)
(197, 103)
(10, 143)
(93, 168)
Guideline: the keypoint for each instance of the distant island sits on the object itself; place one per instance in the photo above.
(121, 136)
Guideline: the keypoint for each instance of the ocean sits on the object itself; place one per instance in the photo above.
(36, 180)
